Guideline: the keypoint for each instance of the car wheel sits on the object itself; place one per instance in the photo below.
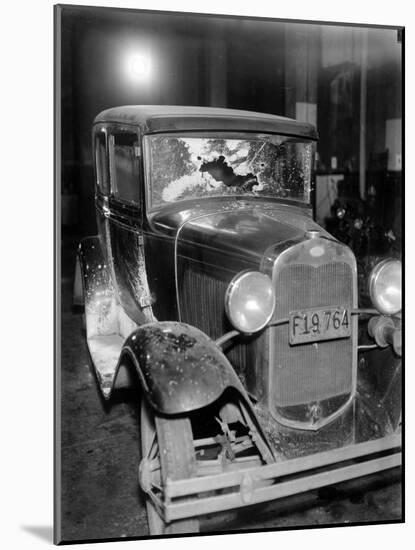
(173, 437)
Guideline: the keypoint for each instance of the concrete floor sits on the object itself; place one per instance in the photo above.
(100, 455)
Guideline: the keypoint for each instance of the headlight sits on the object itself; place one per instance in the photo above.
(250, 301)
(385, 286)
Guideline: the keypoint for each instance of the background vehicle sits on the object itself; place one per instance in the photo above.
(238, 316)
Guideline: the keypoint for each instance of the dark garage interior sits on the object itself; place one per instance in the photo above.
(346, 80)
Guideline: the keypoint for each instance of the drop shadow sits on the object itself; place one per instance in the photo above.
(43, 532)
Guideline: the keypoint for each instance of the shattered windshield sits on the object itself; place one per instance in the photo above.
(183, 167)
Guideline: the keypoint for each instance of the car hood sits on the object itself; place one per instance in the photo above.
(238, 229)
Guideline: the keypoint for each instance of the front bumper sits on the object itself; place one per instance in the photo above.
(193, 497)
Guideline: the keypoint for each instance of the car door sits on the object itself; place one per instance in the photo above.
(101, 170)
(124, 223)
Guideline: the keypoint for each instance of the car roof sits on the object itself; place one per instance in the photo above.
(173, 118)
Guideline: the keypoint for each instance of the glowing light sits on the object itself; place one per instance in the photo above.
(138, 67)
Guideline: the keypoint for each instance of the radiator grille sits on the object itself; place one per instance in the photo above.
(304, 373)
(202, 304)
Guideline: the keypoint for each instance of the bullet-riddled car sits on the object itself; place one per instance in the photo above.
(211, 288)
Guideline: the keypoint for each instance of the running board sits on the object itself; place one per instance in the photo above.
(105, 351)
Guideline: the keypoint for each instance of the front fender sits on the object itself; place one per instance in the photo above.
(180, 368)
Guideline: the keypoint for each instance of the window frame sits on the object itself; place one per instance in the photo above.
(113, 193)
(101, 168)
(146, 154)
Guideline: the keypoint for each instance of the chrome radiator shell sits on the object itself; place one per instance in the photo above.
(317, 380)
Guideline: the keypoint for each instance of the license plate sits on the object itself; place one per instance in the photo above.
(315, 324)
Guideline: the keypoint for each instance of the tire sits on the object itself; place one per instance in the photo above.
(173, 437)
(218, 438)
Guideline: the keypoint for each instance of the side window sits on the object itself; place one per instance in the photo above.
(124, 163)
(101, 165)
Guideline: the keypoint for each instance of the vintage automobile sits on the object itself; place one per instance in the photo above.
(210, 286)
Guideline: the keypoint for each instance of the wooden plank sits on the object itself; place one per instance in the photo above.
(270, 471)
(195, 507)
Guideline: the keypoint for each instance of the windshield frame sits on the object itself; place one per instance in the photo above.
(223, 134)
